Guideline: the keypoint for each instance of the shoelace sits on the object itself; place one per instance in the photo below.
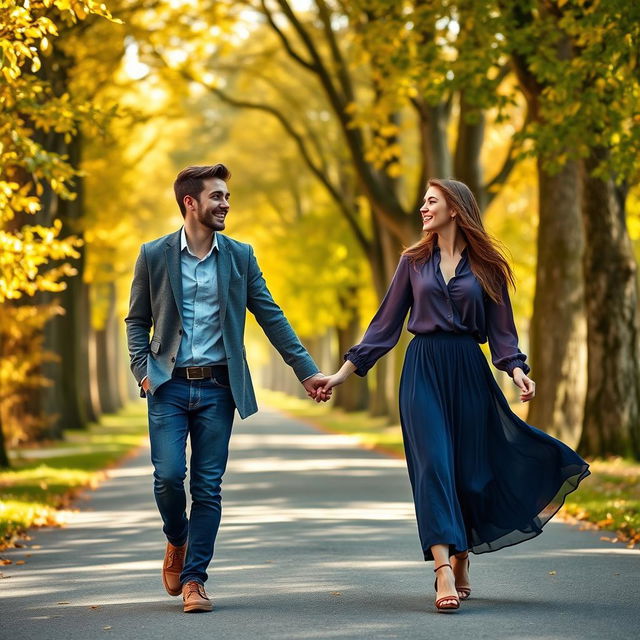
(173, 554)
(195, 587)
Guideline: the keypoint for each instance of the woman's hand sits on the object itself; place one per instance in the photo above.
(333, 381)
(527, 385)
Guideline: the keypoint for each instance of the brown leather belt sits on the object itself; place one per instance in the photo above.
(218, 371)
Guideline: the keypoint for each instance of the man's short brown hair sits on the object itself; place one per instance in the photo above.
(190, 181)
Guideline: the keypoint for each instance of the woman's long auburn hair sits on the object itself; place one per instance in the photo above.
(485, 257)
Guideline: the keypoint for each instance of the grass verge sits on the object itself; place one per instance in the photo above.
(608, 499)
(43, 480)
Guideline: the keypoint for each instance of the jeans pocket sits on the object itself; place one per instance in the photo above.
(217, 383)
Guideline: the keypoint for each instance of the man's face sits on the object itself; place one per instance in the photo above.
(212, 206)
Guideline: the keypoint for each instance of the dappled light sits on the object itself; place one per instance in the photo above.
(311, 550)
(382, 254)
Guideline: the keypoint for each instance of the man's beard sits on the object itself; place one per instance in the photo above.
(208, 219)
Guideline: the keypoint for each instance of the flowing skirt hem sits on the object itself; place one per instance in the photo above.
(541, 519)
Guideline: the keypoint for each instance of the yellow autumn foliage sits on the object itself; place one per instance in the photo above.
(28, 105)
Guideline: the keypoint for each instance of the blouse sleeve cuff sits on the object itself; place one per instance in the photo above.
(359, 362)
(516, 362)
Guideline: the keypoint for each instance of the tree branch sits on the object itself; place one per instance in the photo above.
(509, 163)
(285, 41)
(384, 200)
(296, 137)
(345, 81)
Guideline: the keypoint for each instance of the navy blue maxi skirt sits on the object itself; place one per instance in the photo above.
(482, 478)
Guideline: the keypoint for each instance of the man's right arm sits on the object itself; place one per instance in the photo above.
(139, 319)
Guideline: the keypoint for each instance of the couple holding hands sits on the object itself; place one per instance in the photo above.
(482, 479)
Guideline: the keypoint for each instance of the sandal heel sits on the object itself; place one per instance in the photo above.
(466, 591)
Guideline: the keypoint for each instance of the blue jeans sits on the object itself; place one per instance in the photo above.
(204, 410)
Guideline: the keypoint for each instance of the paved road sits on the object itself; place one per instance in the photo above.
(318, 540)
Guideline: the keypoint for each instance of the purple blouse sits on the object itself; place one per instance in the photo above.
(460, 306)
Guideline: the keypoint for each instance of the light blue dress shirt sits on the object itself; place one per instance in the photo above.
(201, 342)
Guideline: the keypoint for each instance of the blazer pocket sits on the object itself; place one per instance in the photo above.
(237, 286)
(154, 347)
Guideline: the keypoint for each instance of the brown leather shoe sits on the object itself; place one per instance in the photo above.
(172, 568)
(195, 597)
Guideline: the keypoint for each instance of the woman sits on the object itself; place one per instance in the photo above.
(482, 479)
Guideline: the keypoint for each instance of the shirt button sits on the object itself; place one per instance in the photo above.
(179, 331)
(173, 359)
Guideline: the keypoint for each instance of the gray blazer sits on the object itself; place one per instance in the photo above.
(156, 300)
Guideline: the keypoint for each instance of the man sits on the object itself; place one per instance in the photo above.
(194, 287)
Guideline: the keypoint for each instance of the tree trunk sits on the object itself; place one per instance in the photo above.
(612, 408)
(558, 325)
(4, 457)
(94, 378)
(107, 356)
(468, 168)
(73, 330)
(353, 395)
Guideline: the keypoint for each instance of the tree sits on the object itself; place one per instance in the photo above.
(559, 355)
(34, 257)
(577, 61)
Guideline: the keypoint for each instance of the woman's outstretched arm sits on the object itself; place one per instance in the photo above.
(324, 392)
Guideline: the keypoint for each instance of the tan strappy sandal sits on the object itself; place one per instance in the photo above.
(450, 606)
(466, 590)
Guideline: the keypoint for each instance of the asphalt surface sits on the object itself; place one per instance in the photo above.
(318, 540)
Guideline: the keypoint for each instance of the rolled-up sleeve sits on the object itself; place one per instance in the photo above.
(502, 335)
(385, 328)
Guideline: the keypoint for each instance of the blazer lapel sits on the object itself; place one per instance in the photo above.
(224, 275)
(172, 255)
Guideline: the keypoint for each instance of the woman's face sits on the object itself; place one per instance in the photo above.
(435, 213)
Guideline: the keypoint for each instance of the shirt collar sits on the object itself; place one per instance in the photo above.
(464, 250)
(184, 245)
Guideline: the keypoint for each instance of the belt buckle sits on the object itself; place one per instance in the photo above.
(195, 376)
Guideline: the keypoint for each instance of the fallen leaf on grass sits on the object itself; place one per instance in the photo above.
(335, 593)
(5, 561)
(94, 606)
(106, 628)
(552, 573)
(20, 562)
(36, 546)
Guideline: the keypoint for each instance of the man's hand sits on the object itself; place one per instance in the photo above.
(145, 384)
(314, 387)
(527, 386)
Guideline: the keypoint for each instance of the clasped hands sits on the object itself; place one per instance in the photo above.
(320, 387)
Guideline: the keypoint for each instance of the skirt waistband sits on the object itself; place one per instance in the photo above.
(442, 336)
